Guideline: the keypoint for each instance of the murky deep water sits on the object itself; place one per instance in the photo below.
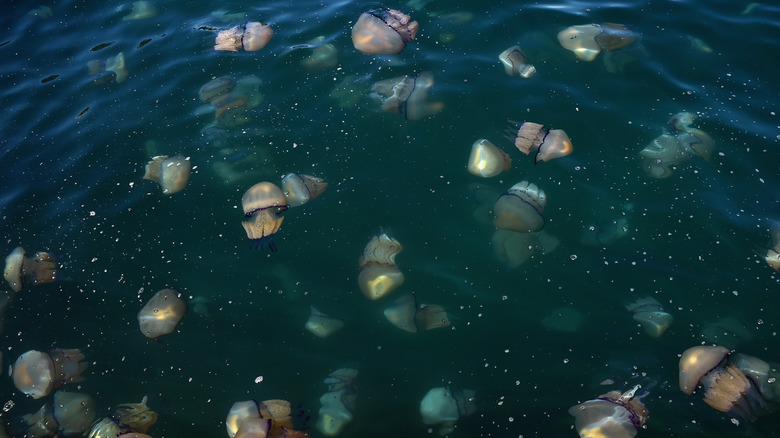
(71, 184)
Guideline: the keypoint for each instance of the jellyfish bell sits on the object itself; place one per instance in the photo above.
(172, 173)
(239, 412)
(407, 95)
(588, 40)
(251, 36)
(263, 203)
(697, 362)
(323, 55)
(337, 404)
(513, 248)
(253, 428)
(548, 144)
(69, 414)
(516, 63)
(555, 144)
(520, 208)
(443, 407)
(772, 258)
(432, 316)
(300, 189)
(116, 64)
(161, 314)
(402, 313)
(761, 373)
(651, 316)
(21, 270)
(487, 160)
(216, 88)
(322, 325)
(662, 153)
(231, 111)
(613, 415)
(141, 10)
(383, 32)
(379, 274)
(36, 373)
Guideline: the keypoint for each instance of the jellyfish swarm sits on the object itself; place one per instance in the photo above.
(263, 203)
(726, 388)
(678, 142)
(588, 40)
(37, 374)
(443, 407)
(613, 415)
(548, 144)
(383, 32)
(407, 95)
(20, 270)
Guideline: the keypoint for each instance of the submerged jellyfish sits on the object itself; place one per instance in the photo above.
(520, 208)
(405, 314)
(263, 203)
(613, 415)
(761, 373)
(383, 32)
(161, 314)
(679, 142)
(21, 270)
(726, 388)
(133, 419)
(443, 407)
(379, 274)
(323, 56)
(37, 374)
(487, 160)
(407, 95)
(772, 257)
(516, 63)
(251, 36)
(651, 315)
(114, 64)
(69, 414)
(337, 404)
(300, 189)
(588, 40)
(141, 10)
(276, 414)
(172, 173)
(548, 144)
(322, 325)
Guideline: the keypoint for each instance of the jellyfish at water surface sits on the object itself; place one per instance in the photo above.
(263, 204)
(407, 95)
(588, 40)
(612, 415)
(547, 144)
(383, 32)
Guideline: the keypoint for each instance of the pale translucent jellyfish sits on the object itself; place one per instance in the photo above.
(263, 203)
(172, 173)
(487, 160)
(322, 325)
(513, 248)
(679, 142)
(405, 314)
(407, 95)
(651, 315)
(239, 412)
(772, 257)
(141, 10)
(226, 16)
(612, 415)
(21, 270)
(253, 428)
(432, 316)
(133, 419)
(37, 374)
(379, 274)
(250, 37)
(300, 189)
(516, 63)
(216, 88)
(70, 414)
(337, 404)
(548, 144)
(588, 40)
(161, 314)
(322, 57)
(520, 208)
(761, 373)
(276, 412)
(116, 64)
(443, 407)
(383, 32)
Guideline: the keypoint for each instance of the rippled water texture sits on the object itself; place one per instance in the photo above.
(532, 341)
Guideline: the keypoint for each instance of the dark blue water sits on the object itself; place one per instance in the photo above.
(74, 145)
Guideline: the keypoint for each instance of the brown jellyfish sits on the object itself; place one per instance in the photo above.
(263, 203)
(379, 274)
(520, 208)
(407, 95)
(133, 419)
(300, 189)
(20, 270)
(37, 374)
(383, 32)
(251, 36)
(651, 315)
(487, 160)
(588, 40)
(613, 415)
(549, 144)
(172, 173)
(161, 314)
(696, 362)
(277, 414)
(69, 414)
(516, 63)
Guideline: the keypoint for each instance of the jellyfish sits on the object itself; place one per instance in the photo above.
(127, 418)
(69, 414)
(216, 88)
(678, 142)
(383, 32)
(651, 315)
(405, 314)
(728, 332)
(588, 40)
(251, 36)
(322, 57)
(407, 95)
(613, 415)
(379, 274)
(276, 413)
(761, 373)
(337, 404)
(549, 144)
(141, 10)
(263, 203)
(487, 160)
(226, 16)
(772, 257)
(443, 407)
(513, 248)
(37, 374)
(21, 270)
(116, 64)
(520, 208)
(172, 173)
(726, 388)
(322, 325)
(161, 314)
(300, 189)
(516, 63)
